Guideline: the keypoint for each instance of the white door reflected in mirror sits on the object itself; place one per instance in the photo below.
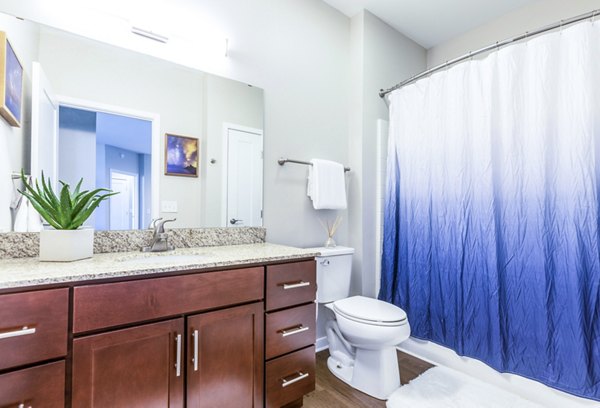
(122, 206)
(244, 176)
(44, 126)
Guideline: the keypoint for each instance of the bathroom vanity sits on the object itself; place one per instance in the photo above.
(226, 326)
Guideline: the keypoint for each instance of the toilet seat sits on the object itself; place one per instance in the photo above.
(366, 310)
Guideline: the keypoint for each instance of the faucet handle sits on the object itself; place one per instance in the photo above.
(160, 224)
(153, 223)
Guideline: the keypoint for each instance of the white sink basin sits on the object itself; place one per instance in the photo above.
(153, 259)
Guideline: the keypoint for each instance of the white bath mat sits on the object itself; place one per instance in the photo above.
(441, 387)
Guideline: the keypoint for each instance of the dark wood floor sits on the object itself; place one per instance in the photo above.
(333, 393)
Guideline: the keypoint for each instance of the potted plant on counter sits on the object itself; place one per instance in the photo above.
(66, 212)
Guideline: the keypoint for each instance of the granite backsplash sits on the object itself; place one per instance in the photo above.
(26, 244)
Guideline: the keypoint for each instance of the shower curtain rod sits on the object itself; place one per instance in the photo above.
(496, 45)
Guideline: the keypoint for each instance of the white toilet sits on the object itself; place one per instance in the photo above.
(364, 334)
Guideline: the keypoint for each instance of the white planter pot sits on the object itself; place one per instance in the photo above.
(66, 245)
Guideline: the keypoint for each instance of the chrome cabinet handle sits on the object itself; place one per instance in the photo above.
(178, 357)
(16, 333)
(195, 358)
(295, 285)
(300, 376)
(294, 330)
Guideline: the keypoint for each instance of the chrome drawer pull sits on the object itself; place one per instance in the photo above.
(295, 285)
(16, 333)
(293, 330)
(195, 358)
(300, 376)
(178, 357)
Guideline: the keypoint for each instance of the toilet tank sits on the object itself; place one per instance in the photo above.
(334, 271)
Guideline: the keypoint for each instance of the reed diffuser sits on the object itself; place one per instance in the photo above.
(331, 230)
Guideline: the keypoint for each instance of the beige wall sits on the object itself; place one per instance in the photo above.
(380, 57)
(525, 19)
(15, 142)
(231, 102)
(298, 52)
(84, 69)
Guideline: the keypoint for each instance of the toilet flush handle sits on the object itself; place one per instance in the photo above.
(324, 262)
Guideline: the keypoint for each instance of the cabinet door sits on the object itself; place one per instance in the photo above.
(225, 358)
(135, 367)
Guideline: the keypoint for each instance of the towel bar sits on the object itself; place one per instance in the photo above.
(16, 176)
(284, 161)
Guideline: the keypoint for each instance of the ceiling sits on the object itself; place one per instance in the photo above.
(431, 22)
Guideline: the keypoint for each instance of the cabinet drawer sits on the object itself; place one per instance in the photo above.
(42, 386)
(290, 330)
(33, 326)
(290, 377)
(290, 284)
(113, 304)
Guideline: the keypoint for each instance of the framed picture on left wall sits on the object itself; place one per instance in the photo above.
(11, 83)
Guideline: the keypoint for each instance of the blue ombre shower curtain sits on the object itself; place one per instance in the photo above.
(491, 228)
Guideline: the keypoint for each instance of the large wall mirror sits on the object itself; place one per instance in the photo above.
(175, 142)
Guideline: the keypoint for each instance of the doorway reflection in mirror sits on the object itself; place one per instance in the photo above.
(108, 151)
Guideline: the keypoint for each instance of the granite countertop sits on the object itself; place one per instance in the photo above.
(16, 273)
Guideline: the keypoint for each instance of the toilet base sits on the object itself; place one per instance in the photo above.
(374, 372)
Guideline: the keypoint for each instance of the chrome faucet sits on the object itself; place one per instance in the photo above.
(160, 239)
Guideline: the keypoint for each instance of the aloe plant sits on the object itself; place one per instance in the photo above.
(68, 210)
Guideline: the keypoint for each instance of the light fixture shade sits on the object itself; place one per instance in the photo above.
(149, 34)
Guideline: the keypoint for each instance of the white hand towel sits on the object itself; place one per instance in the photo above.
(327, 185)
(26, 218)
(21, 215)
(34, 220)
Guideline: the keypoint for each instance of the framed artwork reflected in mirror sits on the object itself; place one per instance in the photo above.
(181, 155)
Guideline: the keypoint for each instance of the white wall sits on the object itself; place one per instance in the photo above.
(14, 142)
(525, 19)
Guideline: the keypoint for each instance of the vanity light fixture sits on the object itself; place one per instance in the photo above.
(149, 34)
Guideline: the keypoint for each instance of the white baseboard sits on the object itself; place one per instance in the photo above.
(524, 387)
(321, 344)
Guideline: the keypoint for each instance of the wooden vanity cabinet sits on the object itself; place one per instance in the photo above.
(239, 338)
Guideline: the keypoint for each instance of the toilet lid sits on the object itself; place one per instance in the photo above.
(369, 310)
